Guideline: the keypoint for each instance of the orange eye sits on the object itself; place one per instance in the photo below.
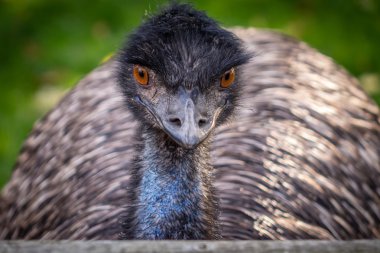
(140, 74)
(227, 78)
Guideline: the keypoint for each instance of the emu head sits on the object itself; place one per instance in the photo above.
(179, 72)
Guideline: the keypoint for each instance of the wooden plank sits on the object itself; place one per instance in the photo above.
(360, 246)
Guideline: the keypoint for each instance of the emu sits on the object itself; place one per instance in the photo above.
(197, 132)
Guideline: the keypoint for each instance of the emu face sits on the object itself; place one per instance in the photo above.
(179, 73)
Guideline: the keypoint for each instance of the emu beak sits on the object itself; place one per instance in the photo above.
(185, 124)
(187, 127)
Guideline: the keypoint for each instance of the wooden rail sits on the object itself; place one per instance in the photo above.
(360, 246)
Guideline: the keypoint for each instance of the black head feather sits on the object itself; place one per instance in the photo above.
(181, 43)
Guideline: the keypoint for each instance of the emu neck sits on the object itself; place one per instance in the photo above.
(174, 197)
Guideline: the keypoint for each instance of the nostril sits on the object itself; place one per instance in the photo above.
(175, 121)
(202, 122)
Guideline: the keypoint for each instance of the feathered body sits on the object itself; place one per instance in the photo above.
(300, 159)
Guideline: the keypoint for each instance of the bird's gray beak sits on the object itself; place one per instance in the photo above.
(187, 126)
(186, 121)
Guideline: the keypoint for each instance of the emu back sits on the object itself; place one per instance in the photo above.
(301, 160)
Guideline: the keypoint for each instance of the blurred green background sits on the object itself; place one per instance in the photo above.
(47, 46)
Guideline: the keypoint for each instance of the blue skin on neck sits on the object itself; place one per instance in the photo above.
(168, 202)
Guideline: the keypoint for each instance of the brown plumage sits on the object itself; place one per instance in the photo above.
(301, 159)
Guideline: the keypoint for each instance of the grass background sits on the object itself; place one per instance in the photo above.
(47, 46)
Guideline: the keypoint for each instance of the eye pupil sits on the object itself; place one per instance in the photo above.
(227, 76)
(141, 73)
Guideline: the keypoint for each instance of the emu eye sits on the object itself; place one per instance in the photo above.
(227, 78)
(141, 75)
